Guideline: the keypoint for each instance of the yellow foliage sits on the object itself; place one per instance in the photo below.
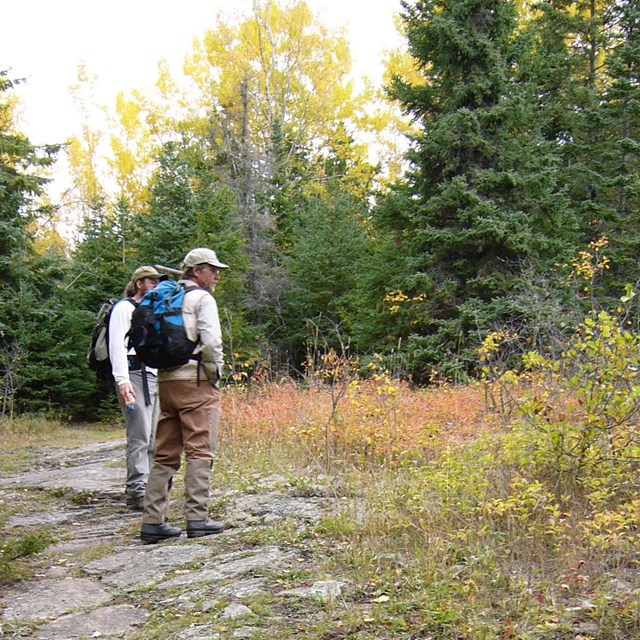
(399, 298)
(588, 264)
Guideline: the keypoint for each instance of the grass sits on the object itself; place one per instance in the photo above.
(453, 523)
(456, 525)
(14, 551)
(23, 437)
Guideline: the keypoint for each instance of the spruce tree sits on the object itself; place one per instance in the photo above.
(22, 180)
(191, 206)
(482, 197)
(329, 249)
(617, 155)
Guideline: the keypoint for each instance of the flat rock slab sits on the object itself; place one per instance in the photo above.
(88, 453)
(44, 519)
(232, 565)
(325, 590)
(142, 565)
(235, 610)
(244, 588)
(199, 633)
(47, 598)
(106, 622)
(103, 602)
(272, 506)
(84, 522)
(99, 477)
(247, 633)
(98, 529)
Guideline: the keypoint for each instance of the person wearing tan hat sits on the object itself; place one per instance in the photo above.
(136, 388)
(190, 409)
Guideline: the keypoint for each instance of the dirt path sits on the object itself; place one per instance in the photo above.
(267, 576)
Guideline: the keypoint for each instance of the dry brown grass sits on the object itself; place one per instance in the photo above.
(377, 418)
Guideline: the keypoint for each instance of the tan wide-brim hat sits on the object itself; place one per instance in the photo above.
(147, 272)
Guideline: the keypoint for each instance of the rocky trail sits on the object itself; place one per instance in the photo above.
(266, 576)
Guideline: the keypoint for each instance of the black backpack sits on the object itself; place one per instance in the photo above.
(157, 331)
(98, 352)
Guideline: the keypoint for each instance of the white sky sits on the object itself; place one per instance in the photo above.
(121, 42)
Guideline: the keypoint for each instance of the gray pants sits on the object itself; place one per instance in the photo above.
(141, 434)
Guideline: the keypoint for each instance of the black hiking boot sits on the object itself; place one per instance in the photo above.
(199, 528)
(152, 533)
(135, 503)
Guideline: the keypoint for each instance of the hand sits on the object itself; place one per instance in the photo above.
(126, 391)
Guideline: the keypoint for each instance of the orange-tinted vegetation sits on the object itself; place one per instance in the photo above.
(379, 418)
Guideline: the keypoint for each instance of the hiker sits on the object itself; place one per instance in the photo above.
(136, 387)
(190, 408)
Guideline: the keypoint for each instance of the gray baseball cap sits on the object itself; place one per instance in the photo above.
(202, 256)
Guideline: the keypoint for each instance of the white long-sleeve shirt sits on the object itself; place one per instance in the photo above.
(119, 324)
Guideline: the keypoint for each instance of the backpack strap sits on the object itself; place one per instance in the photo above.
(197, 357)
(194, 287)
(145, 385)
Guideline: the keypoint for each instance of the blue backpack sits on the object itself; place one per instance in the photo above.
(157, 330)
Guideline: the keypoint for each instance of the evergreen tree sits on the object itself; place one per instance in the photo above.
(329, 250)
(22, 178)
(190, 206)
(278, 100)
(617, 154)
(102, 265)
(55, 376)
(583, 59)
(387, 316)
(482, 197)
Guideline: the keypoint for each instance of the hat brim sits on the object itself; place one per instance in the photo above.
(160, 277)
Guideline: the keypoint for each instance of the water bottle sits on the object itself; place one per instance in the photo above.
(130, 403)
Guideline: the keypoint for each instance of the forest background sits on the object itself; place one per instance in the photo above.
(488, 191)
(437, 277)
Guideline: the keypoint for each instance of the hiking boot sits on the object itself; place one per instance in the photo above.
(196, 487)
(199, 528)
(152, 533)
(135, 503)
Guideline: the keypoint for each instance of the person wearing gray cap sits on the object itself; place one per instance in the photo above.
(190, 409)
(136, 388)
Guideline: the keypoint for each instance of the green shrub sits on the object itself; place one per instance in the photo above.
(13, 551)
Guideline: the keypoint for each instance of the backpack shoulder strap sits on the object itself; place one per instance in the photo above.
(193, 287)
(190, 286)
(131, 300)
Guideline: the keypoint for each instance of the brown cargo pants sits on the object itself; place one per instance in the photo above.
(189, 418)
